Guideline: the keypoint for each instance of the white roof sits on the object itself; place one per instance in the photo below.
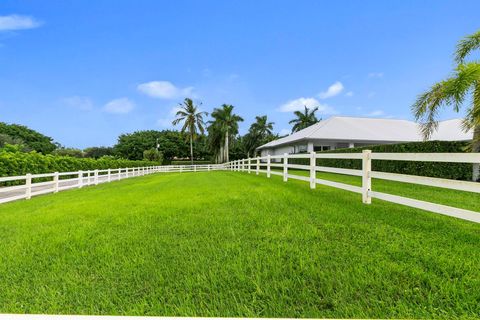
(372, 129)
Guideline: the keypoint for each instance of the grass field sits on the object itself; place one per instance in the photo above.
(233, 244)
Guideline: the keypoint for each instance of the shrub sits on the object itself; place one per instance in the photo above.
(456, 171)
(153, 155)
(19, 163)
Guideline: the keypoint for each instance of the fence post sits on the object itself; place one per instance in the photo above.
(80, 179)
(366, 176)
(55, 182)
(109, 175)
(28, 184)
(268, 166)
(313, 172)
(285, 167)
(258, 166)
(194, 168)
(249, 165)
(96, 176)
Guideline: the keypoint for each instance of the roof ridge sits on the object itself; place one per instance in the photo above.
(323, 122)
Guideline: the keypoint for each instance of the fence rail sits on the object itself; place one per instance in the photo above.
(265, 164)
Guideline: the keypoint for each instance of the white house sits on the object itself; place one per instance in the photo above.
(349, 132)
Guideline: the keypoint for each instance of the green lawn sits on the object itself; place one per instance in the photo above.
(233, 244)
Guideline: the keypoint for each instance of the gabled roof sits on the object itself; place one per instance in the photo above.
(372, 129)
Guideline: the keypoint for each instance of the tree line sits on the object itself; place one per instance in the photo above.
(217, 140)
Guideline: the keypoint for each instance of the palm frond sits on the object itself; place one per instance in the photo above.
(466, 46)
(451, 91)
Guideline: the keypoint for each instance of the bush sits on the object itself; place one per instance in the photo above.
(153, 155)
(456, 171)
(19, 163)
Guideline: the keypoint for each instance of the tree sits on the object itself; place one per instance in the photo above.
(453, 92)
(68, 152)
(6, 140)
(304, 119)
(98, 152)
(131, 145)
(260, 131)
(192, 120)
(172, 144)
(262, 127)
(31, 139)
(223, 128)
(153, 155)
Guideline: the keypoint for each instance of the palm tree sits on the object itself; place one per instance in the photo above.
(304, 119)
(453, 92)
(258, 133)
(225, 127)
(192, 120)
(261, 126)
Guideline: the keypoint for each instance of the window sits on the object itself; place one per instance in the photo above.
(321, 148)
(302, 148)
(343, 145)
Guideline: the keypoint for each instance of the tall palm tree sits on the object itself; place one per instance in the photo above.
(226, 124)
(192, 120)
(304, 119)
(453, 92)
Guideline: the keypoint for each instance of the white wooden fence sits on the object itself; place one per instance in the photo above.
(281, 162)
(68, 180)
(59, 181)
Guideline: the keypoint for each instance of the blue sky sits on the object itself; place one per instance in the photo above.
(84, 72)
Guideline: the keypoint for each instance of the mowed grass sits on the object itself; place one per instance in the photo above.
(233, 244)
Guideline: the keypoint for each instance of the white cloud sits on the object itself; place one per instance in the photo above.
(285, 132)
(78, 102)
(375, 75)
(349, 94)
(164, 90)
(332, 91)
(300, 103)
(119, 106)
(17, 22)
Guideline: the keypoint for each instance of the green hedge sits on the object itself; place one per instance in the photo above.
(457, 171)
(19, 163)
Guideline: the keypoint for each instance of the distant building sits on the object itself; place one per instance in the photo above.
(349, 132)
